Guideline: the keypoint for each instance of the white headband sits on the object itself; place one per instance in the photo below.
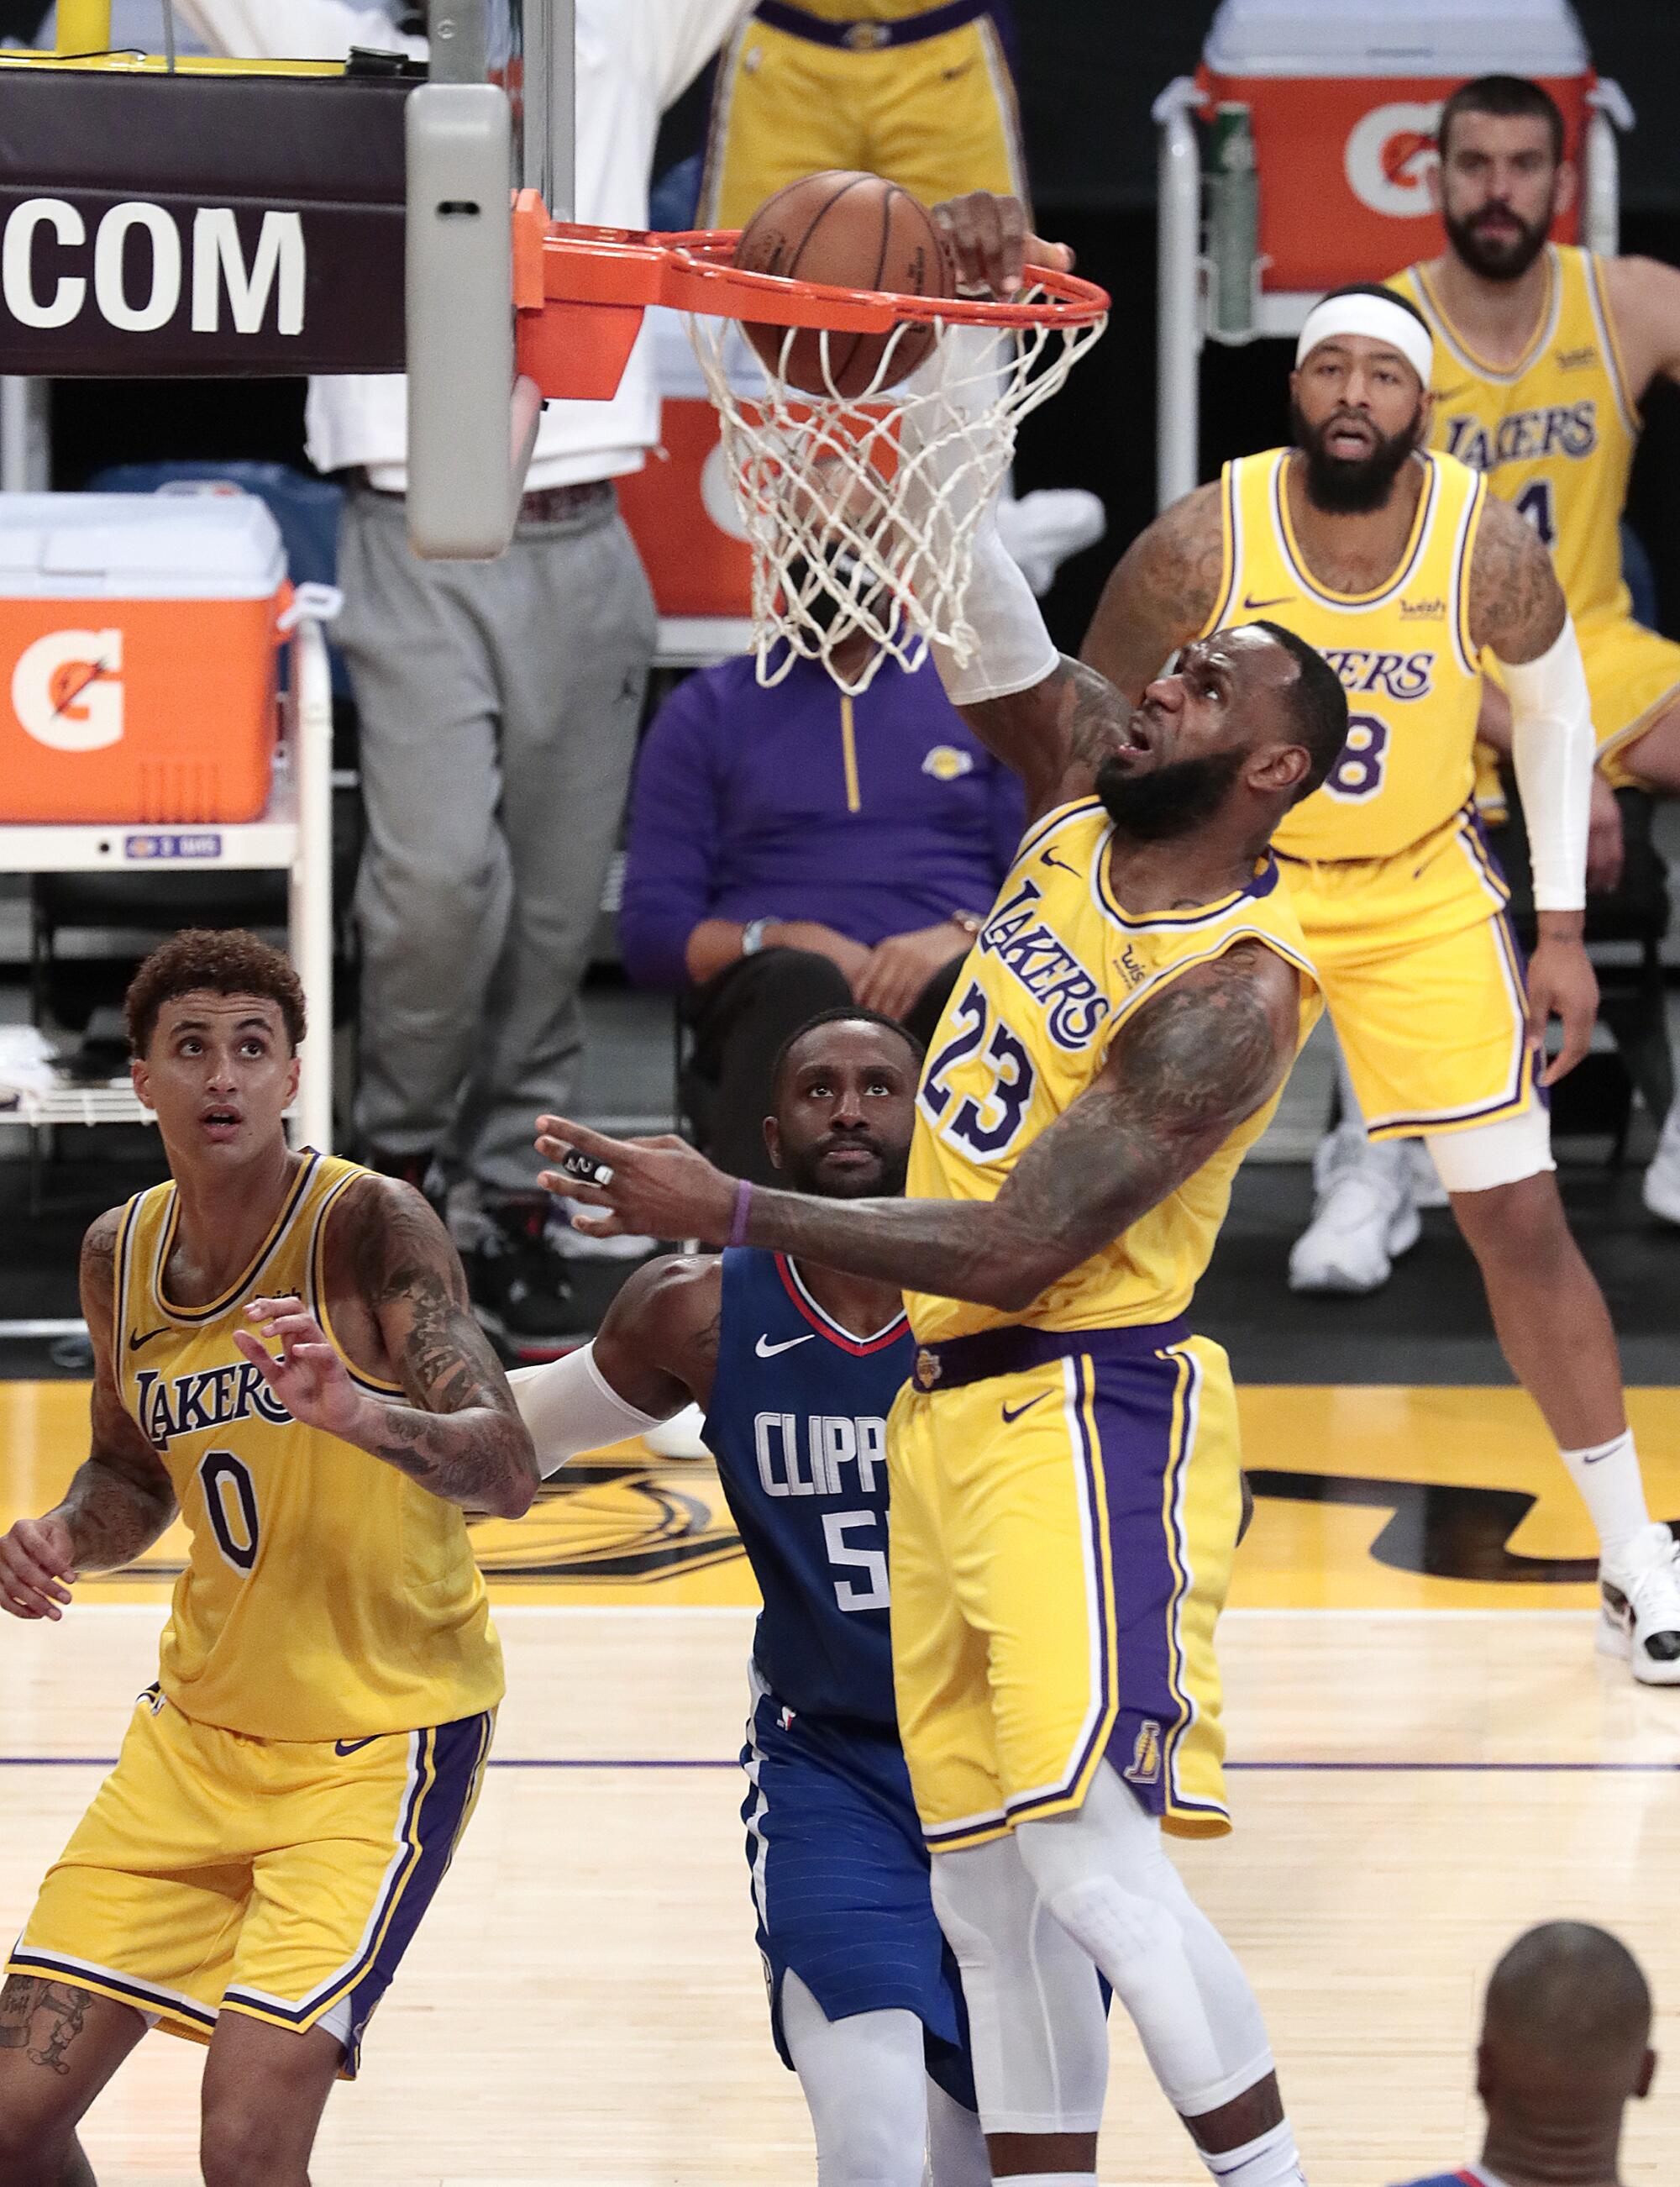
(1384, 318)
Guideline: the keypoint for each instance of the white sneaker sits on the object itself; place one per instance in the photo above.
(1364, 1216)
(1639, 1619)
(1662, 1178)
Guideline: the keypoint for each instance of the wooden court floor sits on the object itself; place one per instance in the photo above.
(1426, 1762)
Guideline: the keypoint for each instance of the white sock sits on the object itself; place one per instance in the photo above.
(1052, 2179)
(1270, 2161)
(1607, 1474)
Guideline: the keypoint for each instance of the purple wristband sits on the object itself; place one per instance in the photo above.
(737, 1227)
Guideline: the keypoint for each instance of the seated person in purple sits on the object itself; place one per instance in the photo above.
(792, 849)
(1566, 2045)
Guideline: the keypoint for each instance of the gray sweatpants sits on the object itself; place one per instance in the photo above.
(499, 703)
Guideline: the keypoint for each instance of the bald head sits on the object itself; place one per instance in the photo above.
(1567, 2028)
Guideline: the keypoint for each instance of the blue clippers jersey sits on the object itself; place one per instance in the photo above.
(798, 1427)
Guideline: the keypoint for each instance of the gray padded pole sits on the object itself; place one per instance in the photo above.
(468, 446)
(457, 32)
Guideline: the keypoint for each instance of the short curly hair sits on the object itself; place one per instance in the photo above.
(223, 960)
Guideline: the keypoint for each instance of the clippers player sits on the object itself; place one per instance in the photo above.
(329, 1675)
(1066, 1471)
(1408, 574)
(1565, 2046)
(797, 1369)
(1543, 356)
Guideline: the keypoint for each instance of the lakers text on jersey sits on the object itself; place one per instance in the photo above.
(1555, 433)
(1066, 1484)
(1401, 905)
(289, 1796)
(797, 1423)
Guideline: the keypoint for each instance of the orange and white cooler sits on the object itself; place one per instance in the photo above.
(1343, 101)
(679, 506)
(139, 641)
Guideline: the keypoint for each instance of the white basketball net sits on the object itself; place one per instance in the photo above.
(861, 510)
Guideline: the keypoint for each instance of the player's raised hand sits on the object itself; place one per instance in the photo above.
(1562, 985)
(309, 1378)
(37, 1568)
(990, 245)
(654, 1188)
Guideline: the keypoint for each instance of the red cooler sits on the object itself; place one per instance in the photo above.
(1342, 102)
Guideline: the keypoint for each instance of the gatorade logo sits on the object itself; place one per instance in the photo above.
(67, 689)
(717, 495)
(1389, 154)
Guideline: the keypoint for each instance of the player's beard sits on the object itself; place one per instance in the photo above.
(802, 1166)
(1174, 799)
(1351, 487)
(1498, 257)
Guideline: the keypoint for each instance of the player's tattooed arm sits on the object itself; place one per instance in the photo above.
(657, 1346)
(1184, 1072)
(1516, 603)
(1160, 593)
(460, 1434)
(120, 1499)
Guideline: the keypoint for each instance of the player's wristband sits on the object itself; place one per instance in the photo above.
(737, 1227)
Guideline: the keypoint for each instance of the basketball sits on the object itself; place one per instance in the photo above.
(854, 231)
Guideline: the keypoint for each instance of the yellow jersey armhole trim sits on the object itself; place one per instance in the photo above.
(316, 1301)
(1170, 973)
(1603, 320)
(1470, 653)
(1048, 824)
(1230, 550)
(124, 1262)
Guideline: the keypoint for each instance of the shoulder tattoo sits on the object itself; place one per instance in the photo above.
(1516, 604)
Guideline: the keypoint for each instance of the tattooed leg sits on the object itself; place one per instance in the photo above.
(59, 2046)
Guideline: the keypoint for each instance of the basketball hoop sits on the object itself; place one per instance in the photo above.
(861, 509)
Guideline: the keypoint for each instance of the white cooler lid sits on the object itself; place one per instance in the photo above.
(1377, 38)
(221, 546)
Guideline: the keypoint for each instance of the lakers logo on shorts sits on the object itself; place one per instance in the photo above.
(1144, 1767)
(927, 1369)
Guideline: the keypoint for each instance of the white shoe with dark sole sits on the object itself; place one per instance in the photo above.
(1639, 1611)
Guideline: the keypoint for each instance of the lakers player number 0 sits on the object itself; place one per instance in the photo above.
(230, 1500)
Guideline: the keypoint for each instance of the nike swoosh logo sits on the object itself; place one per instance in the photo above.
(766, 1350)
(1016, 1412)
(1254, 606)
(1050, 858)
(354, 1746)
(135, 1342)
(1447, 394)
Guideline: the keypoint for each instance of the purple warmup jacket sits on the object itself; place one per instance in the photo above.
(876, 815)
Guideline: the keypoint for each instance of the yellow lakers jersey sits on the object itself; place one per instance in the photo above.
(1403, 652)
(1054, 973)
(1555, 432)
(864, 11)
(326, 1595)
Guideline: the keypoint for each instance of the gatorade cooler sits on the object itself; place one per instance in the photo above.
(139, 637)
(1343, 102)
(679, 506)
